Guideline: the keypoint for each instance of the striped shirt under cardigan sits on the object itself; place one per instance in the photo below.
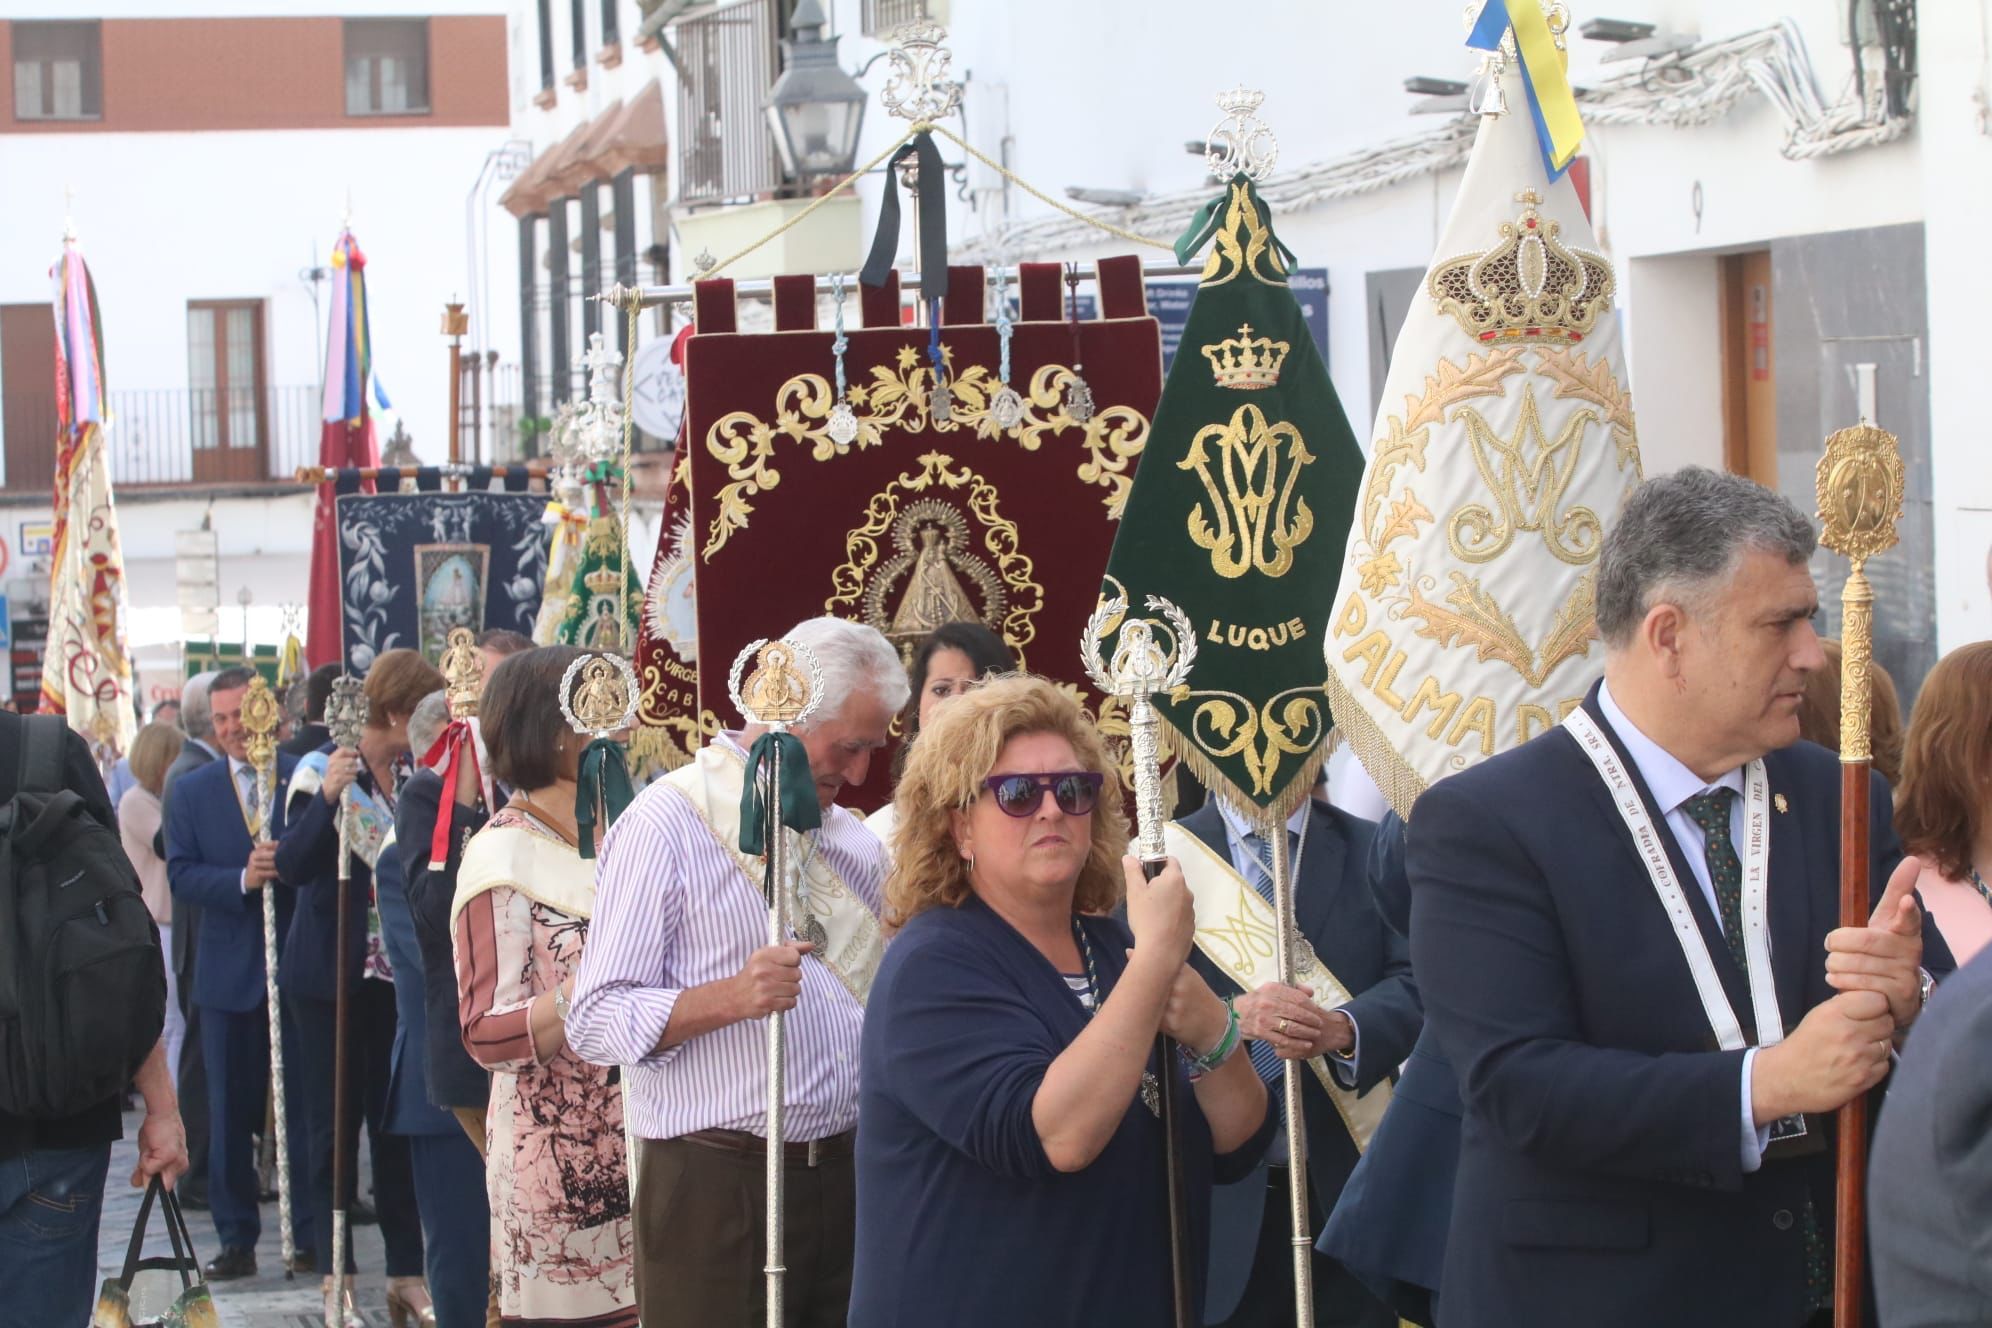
(674, 910)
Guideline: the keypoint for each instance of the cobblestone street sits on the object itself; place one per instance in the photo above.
(266, 1300)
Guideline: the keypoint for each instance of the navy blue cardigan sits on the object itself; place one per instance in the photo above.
(962, 1219)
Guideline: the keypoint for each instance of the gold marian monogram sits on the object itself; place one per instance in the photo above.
(1255, 520)
(1528, 475)
(900, 398)
(1467, 616)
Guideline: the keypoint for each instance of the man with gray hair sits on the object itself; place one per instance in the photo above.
(1624, 932)
(676, 979)
(196, 750)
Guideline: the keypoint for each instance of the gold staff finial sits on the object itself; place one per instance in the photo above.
(463, 673)
(1860, 481)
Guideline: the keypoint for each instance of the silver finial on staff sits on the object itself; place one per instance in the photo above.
(346, 720)
(784, 690)
(1150, 657)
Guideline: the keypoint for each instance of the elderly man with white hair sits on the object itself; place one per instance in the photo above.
(675, 981)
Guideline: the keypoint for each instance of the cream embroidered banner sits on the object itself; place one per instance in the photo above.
(1503, 447)
(1236, 932)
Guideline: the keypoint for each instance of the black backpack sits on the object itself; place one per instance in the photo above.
(82, 982)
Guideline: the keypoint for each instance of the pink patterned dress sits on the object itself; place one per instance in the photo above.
(556, 1162)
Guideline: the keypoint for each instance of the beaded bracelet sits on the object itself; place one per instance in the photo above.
(1226, 1046)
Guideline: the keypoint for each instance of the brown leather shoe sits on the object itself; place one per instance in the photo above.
(233, 1262)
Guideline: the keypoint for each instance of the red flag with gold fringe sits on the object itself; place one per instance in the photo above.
(926, 512)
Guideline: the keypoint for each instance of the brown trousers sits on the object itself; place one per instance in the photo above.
(701, 1238)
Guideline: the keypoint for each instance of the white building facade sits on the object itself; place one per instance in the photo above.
(206, 153)
(1786, 200)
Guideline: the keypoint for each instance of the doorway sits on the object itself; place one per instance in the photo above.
(27, 395)
(1749, 367)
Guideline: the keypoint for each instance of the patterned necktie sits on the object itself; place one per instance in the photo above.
(1710, 811)
(248, 780)
(1264, 1059)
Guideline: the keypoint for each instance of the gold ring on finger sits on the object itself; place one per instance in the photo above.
(1283, 1025)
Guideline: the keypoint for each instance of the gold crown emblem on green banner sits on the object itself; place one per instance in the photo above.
(1246, 363)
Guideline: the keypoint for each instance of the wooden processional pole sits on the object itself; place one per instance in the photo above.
(1860, 500)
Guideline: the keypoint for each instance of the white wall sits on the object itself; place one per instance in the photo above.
(1104, 93)
(1675, 365)
(168, 218)
(104, 9)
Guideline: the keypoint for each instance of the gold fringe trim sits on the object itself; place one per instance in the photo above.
(1289, 797)
(1400, 784)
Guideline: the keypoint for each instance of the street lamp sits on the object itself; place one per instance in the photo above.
(814, 108)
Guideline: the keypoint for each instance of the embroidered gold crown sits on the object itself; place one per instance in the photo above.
(603, 581)
(1529, 287)
(1246, 363)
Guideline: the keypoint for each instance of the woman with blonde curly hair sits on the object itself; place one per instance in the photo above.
(1009, 1155)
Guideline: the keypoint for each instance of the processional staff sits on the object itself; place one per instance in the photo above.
(1140, 668)
(260, 714)
(345, 718)
(1860, 481)
(783, 691)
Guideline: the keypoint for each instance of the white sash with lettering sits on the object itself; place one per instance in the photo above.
(1237, 932)
(1756, 860)
(713, 783)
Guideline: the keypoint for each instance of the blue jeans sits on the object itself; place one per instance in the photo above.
(50, 1201)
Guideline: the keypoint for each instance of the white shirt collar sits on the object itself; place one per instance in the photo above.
(1237, 825)
(1670, 782)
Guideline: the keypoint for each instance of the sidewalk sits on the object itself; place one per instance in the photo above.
(263, 1301)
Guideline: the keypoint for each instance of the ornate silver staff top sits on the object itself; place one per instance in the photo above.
(785, 688)
(604, 702)
(1140, 668)
(920, 89)
(1241, 141)
(346, 710)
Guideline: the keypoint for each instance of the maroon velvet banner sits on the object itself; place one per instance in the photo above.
(917, 519)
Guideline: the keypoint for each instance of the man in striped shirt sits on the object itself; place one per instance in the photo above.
(677, 979)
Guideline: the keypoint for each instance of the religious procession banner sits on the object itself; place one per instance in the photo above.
(596, 613)
(86, 674)
(413, 566)
(669, 732)
(1464, 625)
(927, 486)
(1239, 514)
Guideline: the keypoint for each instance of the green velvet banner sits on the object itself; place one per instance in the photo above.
(600, 614)
(1239, 515)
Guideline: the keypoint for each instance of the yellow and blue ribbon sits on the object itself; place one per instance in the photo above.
(1552, 104)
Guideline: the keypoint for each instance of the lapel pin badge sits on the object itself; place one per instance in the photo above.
(1778, 801)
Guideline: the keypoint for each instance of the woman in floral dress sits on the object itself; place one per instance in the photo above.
(556, 1161)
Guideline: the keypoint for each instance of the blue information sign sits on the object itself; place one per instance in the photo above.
(1170, 301)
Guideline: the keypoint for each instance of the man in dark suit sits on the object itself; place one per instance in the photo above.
(312, 733)
(211, 861)
(449, 1172)
(1625, 934)
(1364, 1039)
(195, 751)
(1930, 1180)
(1389, 1226)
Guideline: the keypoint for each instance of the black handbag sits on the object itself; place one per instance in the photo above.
(193, 1308)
